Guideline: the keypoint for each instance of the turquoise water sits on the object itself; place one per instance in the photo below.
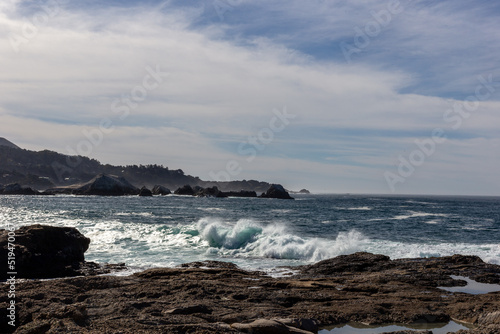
(263, 233)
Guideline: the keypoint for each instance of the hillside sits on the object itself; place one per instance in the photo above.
(45, 169)
(5, 142)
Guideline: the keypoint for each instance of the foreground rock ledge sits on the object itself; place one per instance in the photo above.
(219, 297)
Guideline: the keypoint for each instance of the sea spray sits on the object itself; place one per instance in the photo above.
(247, 238)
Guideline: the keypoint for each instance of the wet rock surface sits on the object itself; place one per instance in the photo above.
(219, 297)
(276, 191)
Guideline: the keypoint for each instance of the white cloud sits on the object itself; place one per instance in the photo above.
(218, 92)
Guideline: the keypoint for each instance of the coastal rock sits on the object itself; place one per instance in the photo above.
(106, 185)
(219, 297)
(45, 251)
(210, 192)
(276, 191)
(17, 189)
(186, 190)
(161, 190)
(354, 263)
(264, 326)
(145, 192)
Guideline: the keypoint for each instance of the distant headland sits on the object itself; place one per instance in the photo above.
(30, 172)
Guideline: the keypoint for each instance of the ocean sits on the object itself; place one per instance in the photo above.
(266, 234)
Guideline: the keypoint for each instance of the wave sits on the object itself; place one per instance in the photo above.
(247, 238)
(414, 214)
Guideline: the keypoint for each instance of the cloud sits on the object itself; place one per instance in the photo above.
(89, 64)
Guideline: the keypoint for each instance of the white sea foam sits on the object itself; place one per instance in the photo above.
(247, 238)
(487, 252)
(414, 214)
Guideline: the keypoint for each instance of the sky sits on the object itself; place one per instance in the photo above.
(386, 97)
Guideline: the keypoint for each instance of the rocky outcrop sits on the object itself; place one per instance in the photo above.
(145, 192)
(219, 297)
(210, 192)
(354, 263)
(45, 251)
(161, 190)
(186, 190)
(17, 189)
(101, 185)
(276, 191)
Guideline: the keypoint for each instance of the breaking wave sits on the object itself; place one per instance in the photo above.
(251, 239)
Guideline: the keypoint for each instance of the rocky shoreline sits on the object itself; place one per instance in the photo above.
(219, 297)
(110, 185)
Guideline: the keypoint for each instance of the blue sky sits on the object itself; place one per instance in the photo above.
(198, 85)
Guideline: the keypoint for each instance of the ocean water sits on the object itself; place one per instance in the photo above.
(264, 234)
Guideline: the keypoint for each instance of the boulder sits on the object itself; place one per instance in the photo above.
(304, 191)
(161, 190)
(145, 192)
(45, 251)
(187, 190)
(17, 189)
(210, 192)
(276, 191)
(106, 185)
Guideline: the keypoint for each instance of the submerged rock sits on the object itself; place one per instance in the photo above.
(276, 191)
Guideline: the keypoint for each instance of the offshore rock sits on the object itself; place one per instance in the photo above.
(45, 251)
(276, 191)
(186, 190)
(106, 185)
(210, 192)
(17, 189)
(145, 192)
(101, 185)
(161, 190)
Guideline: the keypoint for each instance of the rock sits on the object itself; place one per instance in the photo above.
(210, 192)
(304, 191)
(17, 189)
(276, 191)
(45, 251)
(186, 190)
(208, 296)
(106, 185)
(311, 325)
(161, 190)
(264, 326)
(145, 192)
(202, 309)
(242, 193)
(357, 262)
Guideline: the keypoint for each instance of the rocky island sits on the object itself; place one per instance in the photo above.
(219, 297)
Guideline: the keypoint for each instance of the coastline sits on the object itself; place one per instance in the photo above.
(219, 297)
